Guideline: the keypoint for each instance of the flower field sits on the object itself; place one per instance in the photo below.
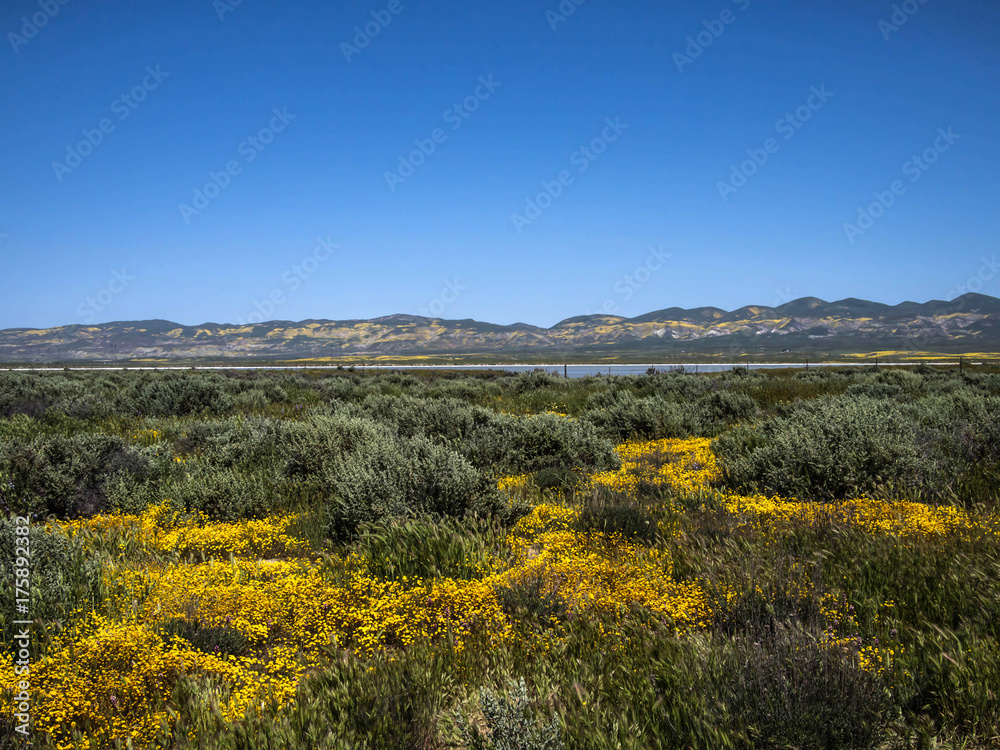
(644, 594)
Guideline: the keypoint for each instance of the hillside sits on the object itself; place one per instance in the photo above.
(801, 328)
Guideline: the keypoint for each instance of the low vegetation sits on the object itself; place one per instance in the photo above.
(803, 559)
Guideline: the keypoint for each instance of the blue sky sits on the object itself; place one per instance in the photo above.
(330, 209)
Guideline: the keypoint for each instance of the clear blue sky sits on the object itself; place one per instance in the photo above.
(66, 231)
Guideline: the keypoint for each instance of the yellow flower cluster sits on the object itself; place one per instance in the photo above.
(514, 484)
(604, 573)
(685, 465)
(690, 466)
(901, 518)
(165, 529)
(113, 680)
(293, 604)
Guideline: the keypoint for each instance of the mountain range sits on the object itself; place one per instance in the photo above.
(804, 328)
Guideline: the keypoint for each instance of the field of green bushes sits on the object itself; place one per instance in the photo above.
(406, 471)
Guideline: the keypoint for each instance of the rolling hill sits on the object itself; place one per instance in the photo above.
(803, 328)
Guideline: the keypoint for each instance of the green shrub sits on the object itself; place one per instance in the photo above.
(519, 445)
(510, 725)
(248, 443)
(873, 390)
(370, 473)
(826, 449)
(224, 494)
(730, 406)
(450, 419)
(163, 395)
(625, 416)
(68, 476)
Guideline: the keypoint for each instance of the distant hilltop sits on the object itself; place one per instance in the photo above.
(804, 327)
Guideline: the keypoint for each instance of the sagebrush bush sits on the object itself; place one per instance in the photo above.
(826, 449)
(68, 476)
(161, 395)
(521, 445)
(370, 473)
(510, 723)
(449, 418)
(236, 442)
(224, 494)
(624, 416)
